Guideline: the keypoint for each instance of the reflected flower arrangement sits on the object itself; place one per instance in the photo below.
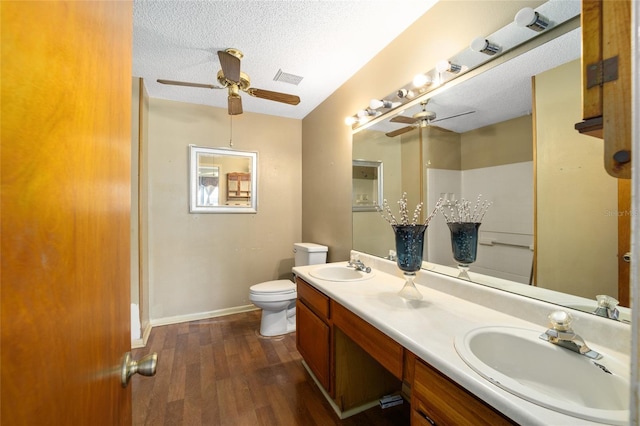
(464, 220)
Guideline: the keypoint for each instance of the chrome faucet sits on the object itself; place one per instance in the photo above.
(359, 266)
(607, 307)
(562, 334)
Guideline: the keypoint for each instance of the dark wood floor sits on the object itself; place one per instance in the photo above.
(221, 372)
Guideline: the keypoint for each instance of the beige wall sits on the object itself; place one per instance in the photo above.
(202, 263)
(442, 150)
(326, 151)
(371, 233)
(502, 143)
(577, 227)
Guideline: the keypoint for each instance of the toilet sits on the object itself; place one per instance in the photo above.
(277, 299)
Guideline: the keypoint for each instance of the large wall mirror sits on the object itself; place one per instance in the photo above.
(222, 180)
(507, 133)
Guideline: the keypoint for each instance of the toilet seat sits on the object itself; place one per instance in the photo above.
(277, 287)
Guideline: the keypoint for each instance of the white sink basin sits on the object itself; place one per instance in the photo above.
(339, 273)
(518, 361)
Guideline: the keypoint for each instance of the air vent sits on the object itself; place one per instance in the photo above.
(287, 78)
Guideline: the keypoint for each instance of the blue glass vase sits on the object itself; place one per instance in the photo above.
(409, 248)
(464, 243)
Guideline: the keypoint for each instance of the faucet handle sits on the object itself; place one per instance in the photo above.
(606, 301)
(607, 306)
(560, 320)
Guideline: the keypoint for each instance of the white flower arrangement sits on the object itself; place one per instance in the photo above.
(387, 215)
(462, 211)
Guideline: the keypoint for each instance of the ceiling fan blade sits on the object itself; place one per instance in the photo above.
(230, 65)
(234, 105)
(452, 116)
(402, 119)
(274, 96)
(400, 131)
(184, 83)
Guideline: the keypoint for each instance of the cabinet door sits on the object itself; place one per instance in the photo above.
(438, 400)
(312, 339)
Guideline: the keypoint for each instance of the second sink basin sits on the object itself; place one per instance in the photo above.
(339, 273)
(516, 360)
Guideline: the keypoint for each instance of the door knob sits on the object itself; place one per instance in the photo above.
(627, 257)
(146, 366)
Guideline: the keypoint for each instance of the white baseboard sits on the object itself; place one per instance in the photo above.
(202, 315)
(141, 343)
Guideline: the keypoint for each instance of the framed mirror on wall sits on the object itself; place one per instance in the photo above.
(519, 149)
(222, 180)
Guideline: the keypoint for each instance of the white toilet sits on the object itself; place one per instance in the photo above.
(278, 298)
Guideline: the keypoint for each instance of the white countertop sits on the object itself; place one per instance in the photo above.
(428, 328)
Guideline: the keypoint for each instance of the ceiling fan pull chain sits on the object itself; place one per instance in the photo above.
(231, 131)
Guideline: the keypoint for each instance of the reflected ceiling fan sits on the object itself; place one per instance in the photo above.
(420, 119)
(231, 78)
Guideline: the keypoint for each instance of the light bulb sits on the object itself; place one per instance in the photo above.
(350, 121)
(529, 18)
(380, 103)
(445, 65)
(404, 93)
(482, 45)
(421, 80)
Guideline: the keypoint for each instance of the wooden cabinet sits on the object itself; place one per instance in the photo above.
(606, 80)
(238, 186)
(356, 363)
(435, 399)
(313, 336)
(378, 345)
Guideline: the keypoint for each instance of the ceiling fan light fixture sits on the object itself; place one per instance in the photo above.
(527, 17)
(482, 45)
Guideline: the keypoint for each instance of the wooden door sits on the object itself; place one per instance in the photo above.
(66, 123)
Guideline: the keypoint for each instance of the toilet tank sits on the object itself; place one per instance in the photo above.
(309, 254)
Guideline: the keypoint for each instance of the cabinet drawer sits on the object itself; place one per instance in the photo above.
(381, 347)
(436, 397)
(315, 300)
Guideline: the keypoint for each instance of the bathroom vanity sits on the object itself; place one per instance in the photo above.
(326, 338)
(361, 341)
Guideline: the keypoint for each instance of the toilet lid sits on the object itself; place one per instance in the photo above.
(274, 287)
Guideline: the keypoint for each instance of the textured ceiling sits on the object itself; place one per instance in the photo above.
(325, 42)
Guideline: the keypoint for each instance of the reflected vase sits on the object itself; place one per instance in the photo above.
(464, 244)
(409, 248)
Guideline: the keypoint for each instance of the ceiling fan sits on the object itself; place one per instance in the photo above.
(231, 78)
(421, 119)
